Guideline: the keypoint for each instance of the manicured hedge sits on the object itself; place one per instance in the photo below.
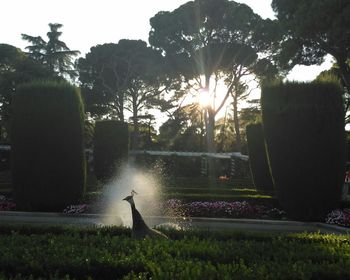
(258, 162)
(305, 137)
(48, 162)
(111, 145)
(197, 254)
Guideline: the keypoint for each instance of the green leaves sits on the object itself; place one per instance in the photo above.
(53, 53)
(312, 29)
(107, 253)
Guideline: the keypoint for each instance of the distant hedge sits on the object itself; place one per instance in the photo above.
(48, 163)
(111, 146)
(258, 162)
(305, 136)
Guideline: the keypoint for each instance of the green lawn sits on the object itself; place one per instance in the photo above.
(109, 253)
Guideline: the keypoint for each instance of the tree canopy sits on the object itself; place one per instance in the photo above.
(53, 52)
(16, 68)
(311, 29)
(124, 76)
(209, 40)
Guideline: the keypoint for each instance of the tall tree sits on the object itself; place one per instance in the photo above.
(311, 30)
(124, 76)
(15, 68)
(102, 80)
(54, 53)
(207, 41)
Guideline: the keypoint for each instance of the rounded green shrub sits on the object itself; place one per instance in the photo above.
(47, 146)
(258, 162)
(111, 146)
(305, 137)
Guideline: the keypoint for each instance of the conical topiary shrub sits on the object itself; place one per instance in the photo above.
(305, 136)
(47, 146)
(258, 162)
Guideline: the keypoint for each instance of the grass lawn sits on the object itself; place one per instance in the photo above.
(109, 253)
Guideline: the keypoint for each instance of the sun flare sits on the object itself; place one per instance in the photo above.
(204, 99)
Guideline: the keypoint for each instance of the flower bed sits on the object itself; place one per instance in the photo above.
(339, 217)
(222, 209)
(6, 204)
(218, 209)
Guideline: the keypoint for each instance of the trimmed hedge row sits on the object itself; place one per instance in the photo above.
(258, 162)
(111, 145)
(187, 255)
(48, 161)
(305, 137)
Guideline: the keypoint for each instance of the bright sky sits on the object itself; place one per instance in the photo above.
(87, 23)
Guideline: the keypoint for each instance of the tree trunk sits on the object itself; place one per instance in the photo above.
(236, 123)
(210, 126)
(210, 130)
(135, 135)
(210, 121)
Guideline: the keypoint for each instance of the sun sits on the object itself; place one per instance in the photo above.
(204, 98)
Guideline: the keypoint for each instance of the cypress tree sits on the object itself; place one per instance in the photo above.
(47, 146)
(258, 162)
(305, 136)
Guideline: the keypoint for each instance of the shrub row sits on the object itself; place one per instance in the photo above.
(305, 137)
(187, 255)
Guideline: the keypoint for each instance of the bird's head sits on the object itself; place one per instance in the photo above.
(130, 198)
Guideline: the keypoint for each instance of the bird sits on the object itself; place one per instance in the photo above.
(140, 229)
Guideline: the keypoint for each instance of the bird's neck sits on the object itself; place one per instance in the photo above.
(137, 220)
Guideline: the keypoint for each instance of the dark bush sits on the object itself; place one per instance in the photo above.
(258, 162)
(305, 136)
(48, 163)
(111, 145)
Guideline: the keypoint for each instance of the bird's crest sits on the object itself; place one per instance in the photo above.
(133, 192)
(129, 198)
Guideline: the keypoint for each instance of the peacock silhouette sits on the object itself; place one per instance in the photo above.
(139, 228)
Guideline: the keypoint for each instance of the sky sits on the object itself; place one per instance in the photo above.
(87, 23)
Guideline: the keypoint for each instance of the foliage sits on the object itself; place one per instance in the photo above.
(198, 254)
(207, 41)
(258, 162)
(334, 73)
(225, 134)
(15, 68)
(183, 131)
(111, 147)
(48, 163)
(53, 53)
(125, 76)
(308, 37)
(147, 135)
(305, 138)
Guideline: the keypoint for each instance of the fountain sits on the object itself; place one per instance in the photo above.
(146, 183)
